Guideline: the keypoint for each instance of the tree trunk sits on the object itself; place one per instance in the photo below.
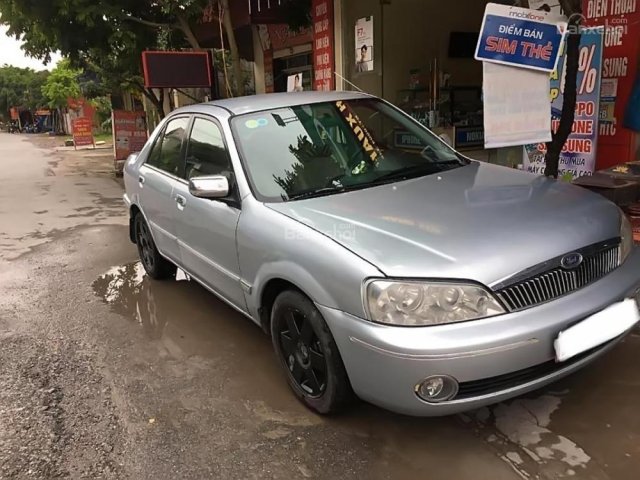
(157, 103)
(559, 138)
(233, 47)
(185, 28)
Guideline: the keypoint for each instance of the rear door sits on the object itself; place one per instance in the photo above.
(206, 228)
(157, 179)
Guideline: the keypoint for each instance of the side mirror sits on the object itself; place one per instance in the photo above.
(214, 186)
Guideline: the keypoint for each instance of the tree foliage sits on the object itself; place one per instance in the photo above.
(108, 36)
(61, 85)
(21, 87)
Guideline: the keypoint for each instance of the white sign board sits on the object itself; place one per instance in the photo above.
(516, 106)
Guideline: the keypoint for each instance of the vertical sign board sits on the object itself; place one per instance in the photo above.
(129, 134)
(578, 157)
(364, 45)
(323, 56)
(620, 67)
(82, 132)
(520, 37)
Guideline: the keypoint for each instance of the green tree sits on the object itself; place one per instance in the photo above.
(61, 84)
(109, 35)
(21, 87)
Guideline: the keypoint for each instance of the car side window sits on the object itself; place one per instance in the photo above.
(206, 151)
(165, 154)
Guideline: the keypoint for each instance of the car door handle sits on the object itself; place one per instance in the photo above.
(141, 180)
(181, 201)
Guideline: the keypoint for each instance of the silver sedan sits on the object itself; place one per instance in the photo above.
(384, 264)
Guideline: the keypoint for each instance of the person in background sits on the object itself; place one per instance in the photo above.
(297, 87)
(361, 64)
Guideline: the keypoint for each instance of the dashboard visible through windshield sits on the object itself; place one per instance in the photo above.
(325, 148)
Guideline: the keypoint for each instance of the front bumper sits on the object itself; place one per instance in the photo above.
(384, 363)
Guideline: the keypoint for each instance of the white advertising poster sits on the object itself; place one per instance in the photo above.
(516, 106)
(364, 45)
(294, 82)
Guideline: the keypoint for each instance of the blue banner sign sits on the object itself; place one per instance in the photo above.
(578, 156)
(521, 37)
(468, 137)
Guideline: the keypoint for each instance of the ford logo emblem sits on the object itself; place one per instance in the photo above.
(571, 261)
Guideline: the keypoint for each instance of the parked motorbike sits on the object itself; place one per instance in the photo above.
(14, 127)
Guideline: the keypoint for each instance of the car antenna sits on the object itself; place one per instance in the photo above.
(350, 83)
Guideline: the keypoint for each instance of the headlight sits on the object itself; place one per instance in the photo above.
(420, 304)
(626, 237)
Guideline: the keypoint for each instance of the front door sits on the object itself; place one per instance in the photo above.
(157, 178)
(206, 228)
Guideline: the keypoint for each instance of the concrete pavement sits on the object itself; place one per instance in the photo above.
(105, 373)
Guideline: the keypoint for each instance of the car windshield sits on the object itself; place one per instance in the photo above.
(321, 149)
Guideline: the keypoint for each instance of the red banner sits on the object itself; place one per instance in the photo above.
(129, 132)
(82, 132)
(323, 55)
(620, 66)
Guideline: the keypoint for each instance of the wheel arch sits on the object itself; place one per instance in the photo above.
(134, 210)
(268, 294)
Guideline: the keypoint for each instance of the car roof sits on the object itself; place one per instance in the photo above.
(257, 103)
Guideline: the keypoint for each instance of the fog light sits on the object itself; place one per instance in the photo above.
(436, 389)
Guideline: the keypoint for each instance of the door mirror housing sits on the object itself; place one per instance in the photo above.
(212, 187)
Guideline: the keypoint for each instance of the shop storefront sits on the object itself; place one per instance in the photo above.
(419, 55)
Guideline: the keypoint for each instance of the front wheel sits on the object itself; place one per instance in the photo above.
(156, 266)
(307, 351)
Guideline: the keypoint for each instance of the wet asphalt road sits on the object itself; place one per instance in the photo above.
(105, 373)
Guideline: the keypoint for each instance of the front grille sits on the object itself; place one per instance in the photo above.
(557, 281)
(488, 386)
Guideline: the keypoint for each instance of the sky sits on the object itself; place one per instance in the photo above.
(11, 54)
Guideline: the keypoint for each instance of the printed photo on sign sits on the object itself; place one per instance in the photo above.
(294, 82)
(364, 45)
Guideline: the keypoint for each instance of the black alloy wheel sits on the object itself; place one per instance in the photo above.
(306, 349)
(302, 351)
(155, 265)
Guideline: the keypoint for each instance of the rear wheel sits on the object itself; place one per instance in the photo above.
(307, 351)
(156, 266)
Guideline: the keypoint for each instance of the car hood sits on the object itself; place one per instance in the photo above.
(479, 222)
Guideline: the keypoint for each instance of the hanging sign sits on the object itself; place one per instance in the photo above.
(521, 37)
(516, 106)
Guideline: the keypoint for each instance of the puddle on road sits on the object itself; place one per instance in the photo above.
(189, 324)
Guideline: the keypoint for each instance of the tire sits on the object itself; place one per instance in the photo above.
(156, 266)
(309, 355)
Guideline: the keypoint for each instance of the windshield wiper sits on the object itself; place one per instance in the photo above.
(321, 192)
(409, 172)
